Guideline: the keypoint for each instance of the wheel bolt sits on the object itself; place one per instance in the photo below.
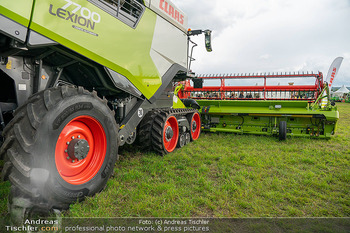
(73, 161)
(78, 136)
(72, 137)
(67, 143)
(66, 151)
(68, 157)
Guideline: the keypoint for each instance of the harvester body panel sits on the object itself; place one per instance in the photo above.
(168, 10)
(142, 52)
(15, 20)
(21, 15)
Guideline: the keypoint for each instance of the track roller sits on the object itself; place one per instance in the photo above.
(195, 125)
(182, 140)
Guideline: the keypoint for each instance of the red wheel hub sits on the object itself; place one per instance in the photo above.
(195, 126)
(80, 150)
(170, 134)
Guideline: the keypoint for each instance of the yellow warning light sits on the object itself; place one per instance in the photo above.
(9, 65)
(43, 77)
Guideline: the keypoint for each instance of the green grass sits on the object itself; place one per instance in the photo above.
(229, 175)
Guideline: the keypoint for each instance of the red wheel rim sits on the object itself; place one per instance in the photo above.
(170, 144)
(196, 119)
(82, 128)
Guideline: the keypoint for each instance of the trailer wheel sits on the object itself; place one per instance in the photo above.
(195, 126)
(63, 146)
(282, 130)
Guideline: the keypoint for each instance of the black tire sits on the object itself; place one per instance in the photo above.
(1, 142)
(282, 134)
(30, 150)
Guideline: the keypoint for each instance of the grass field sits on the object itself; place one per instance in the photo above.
(228, 175)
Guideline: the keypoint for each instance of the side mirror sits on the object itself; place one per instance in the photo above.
(207, 34)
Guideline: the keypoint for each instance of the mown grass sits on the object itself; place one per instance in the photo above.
(228, 175)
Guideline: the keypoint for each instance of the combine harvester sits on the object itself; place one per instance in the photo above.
(78, 80)
(281, 110)
(81, 78)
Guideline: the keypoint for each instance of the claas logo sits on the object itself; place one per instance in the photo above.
(171, 11)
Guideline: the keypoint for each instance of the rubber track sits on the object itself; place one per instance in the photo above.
(156, 133)
(144, 130)
(20, 137)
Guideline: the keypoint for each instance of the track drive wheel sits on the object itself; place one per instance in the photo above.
(195, 125)
(60, 147)
(282, 134)
(165, 133)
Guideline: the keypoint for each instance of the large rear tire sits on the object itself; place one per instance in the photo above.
(60, 147)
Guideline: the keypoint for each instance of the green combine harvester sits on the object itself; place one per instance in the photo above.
(80, 78)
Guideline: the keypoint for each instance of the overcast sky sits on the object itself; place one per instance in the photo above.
(271, 35)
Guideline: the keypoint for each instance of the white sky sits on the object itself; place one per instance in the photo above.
(271, 35)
